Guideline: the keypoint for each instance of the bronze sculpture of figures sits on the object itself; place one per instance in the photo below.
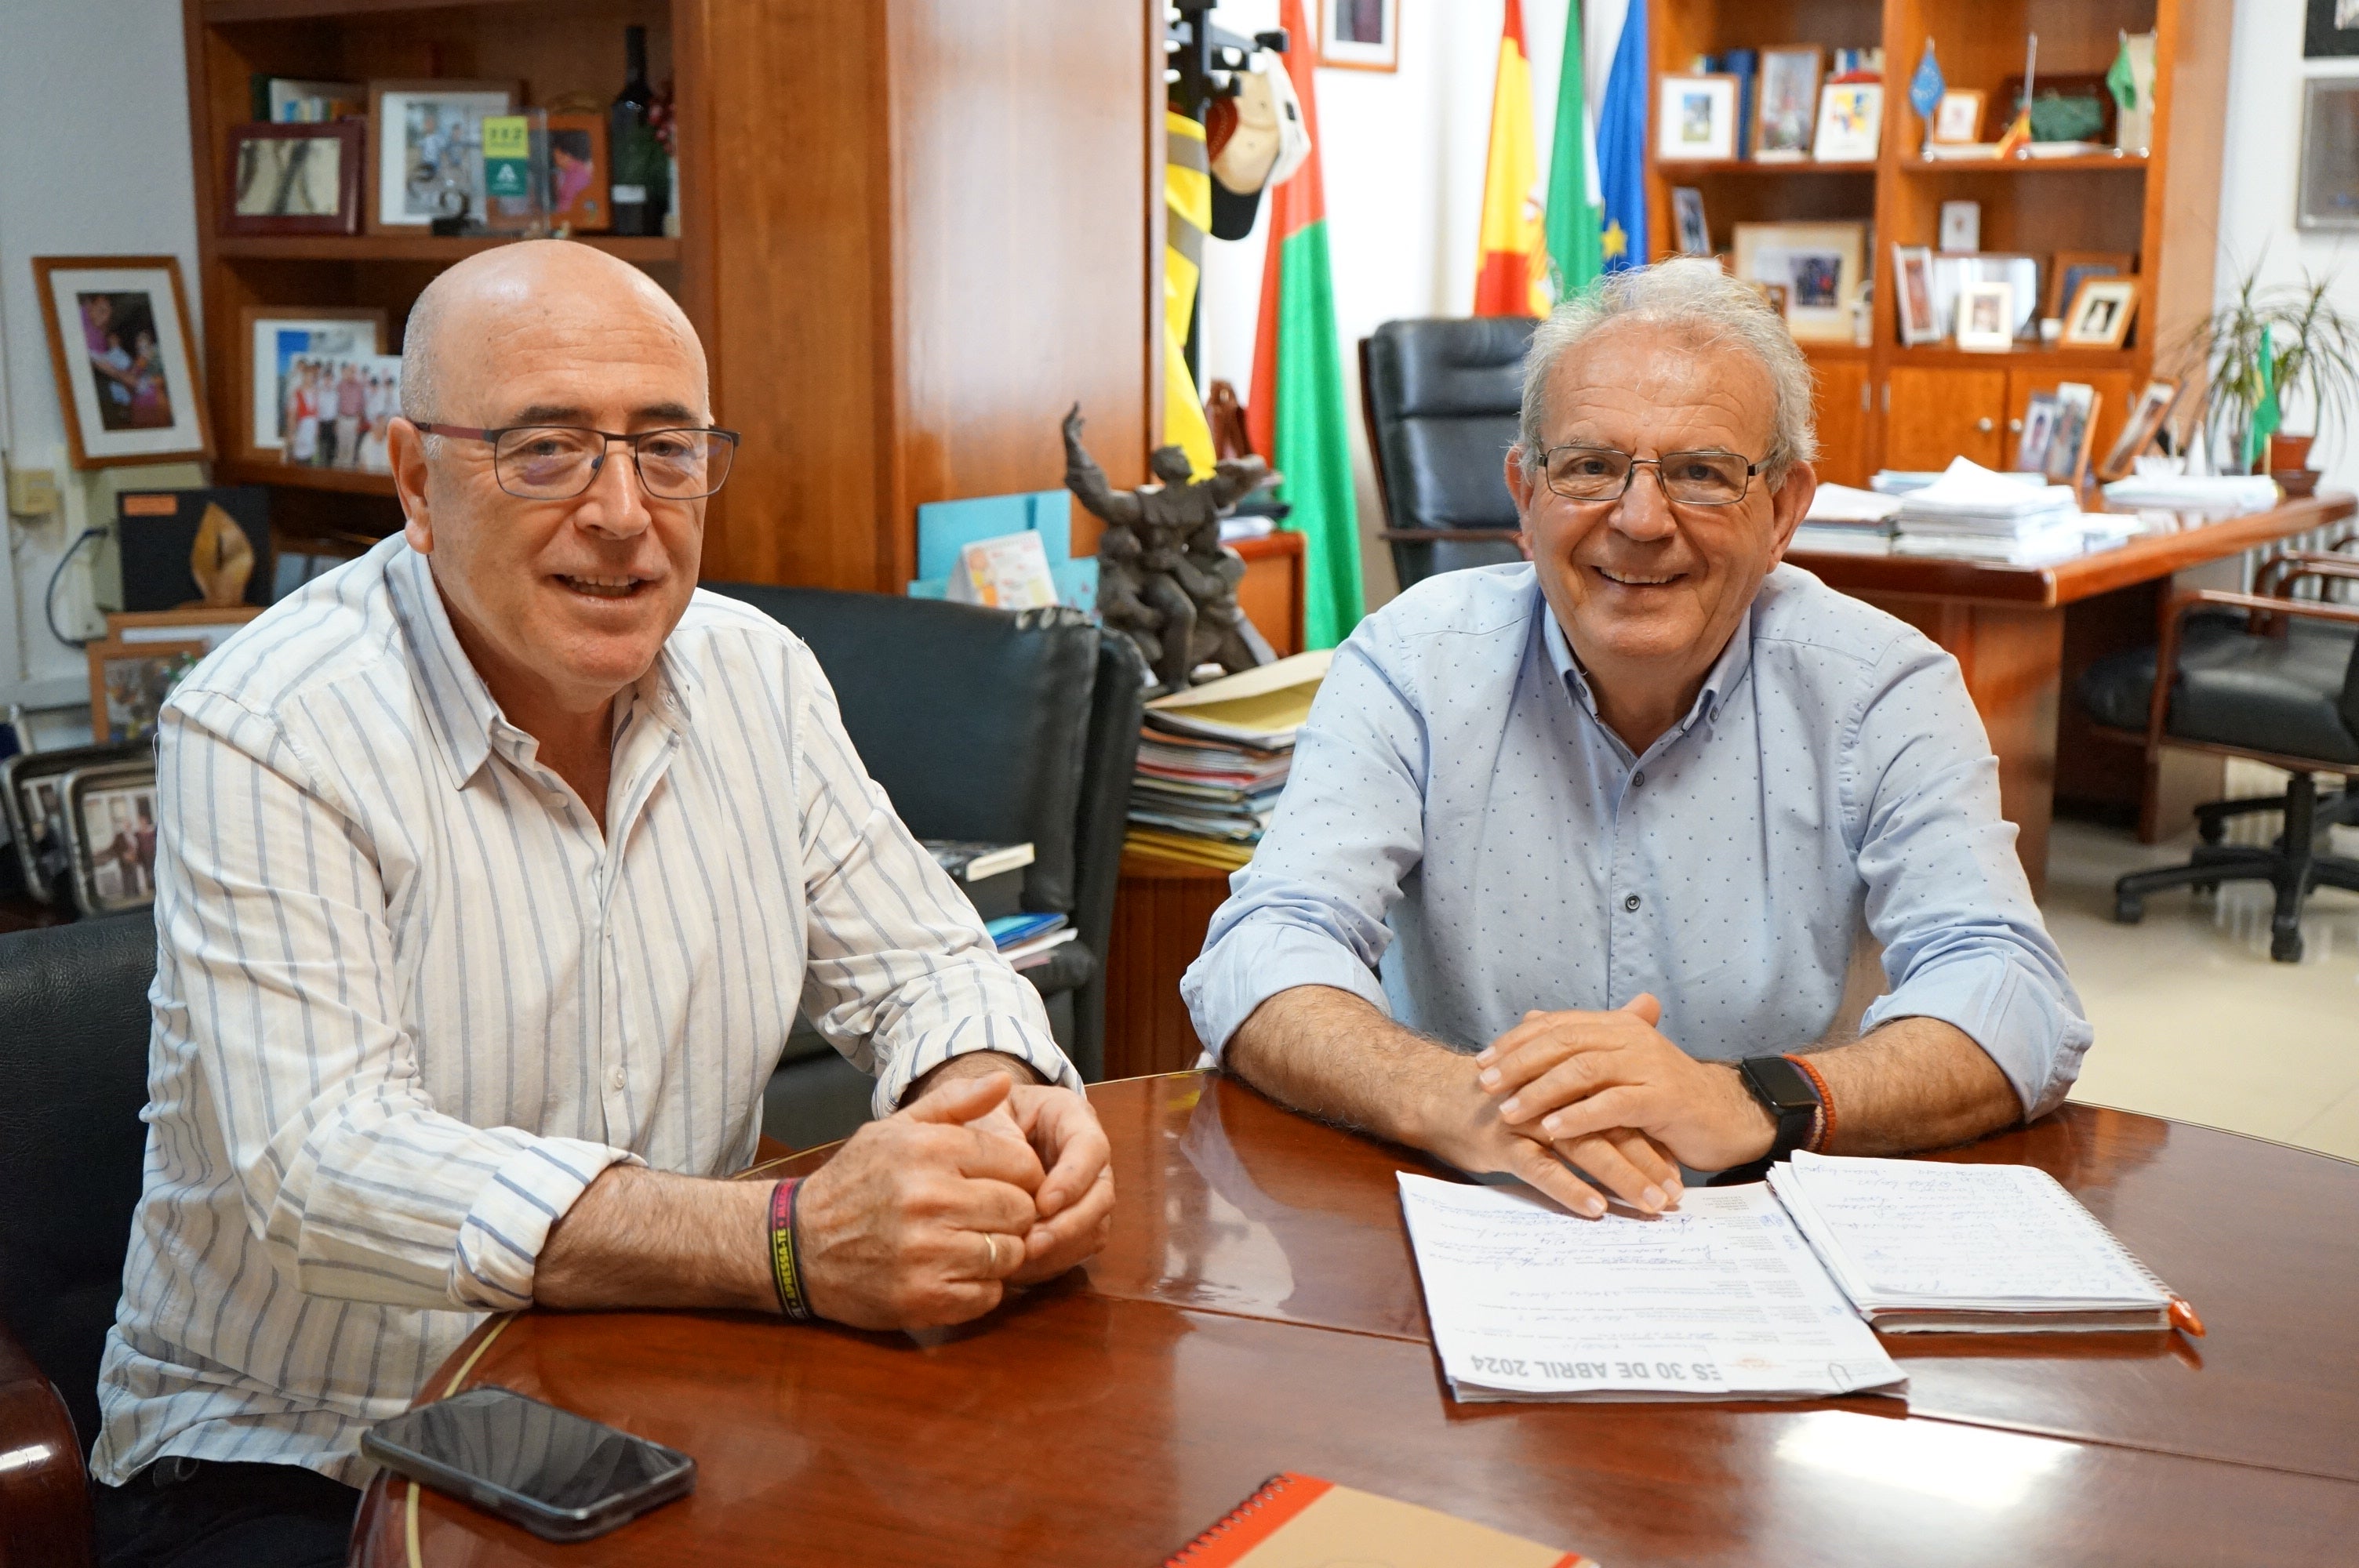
(1164, 580)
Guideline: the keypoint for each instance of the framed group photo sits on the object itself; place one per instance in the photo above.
(294, 178)
(274, 340)
(124, 359)
(1820, 265)
(1360, 35)
(428, 161)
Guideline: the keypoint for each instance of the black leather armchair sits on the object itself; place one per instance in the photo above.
(74, 1079)
(2257, 675)
(986, 725)
(1441, 399)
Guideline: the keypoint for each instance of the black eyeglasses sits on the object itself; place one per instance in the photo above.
(1689, 478)
(556, 462)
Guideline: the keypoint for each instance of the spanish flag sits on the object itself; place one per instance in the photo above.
(1512, 277)
(1188, 200)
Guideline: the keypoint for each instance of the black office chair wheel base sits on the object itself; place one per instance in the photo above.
(2129, 910)
(2285, 947)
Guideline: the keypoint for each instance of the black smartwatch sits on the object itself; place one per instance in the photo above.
(1791, 1098)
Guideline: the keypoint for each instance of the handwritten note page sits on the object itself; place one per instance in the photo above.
(1719, 1299)
(1902, 1233)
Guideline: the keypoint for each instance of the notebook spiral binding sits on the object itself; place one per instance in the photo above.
(1268, 1492)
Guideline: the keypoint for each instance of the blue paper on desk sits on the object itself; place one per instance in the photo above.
(1009, 929)
(946, 527)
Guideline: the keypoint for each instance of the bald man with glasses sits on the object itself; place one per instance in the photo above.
(494, 870)
(1566, 882)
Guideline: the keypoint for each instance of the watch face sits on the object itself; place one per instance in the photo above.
(1781, 1083)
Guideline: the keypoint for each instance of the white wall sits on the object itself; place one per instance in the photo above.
(93, 113)
(1403, 155)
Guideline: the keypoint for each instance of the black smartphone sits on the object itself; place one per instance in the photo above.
(562, 1476)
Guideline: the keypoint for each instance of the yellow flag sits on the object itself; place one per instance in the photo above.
(1511, 278)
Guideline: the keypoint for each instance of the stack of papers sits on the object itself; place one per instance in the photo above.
(1213, 759)
(2225, 496)
(1843, 520)
(1976, 514)
(1025, 940)
(1922, 1248)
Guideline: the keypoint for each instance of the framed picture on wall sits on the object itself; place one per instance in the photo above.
(2328, 192)
(1696, 118)
(124, 359)
(1360, 35)
(294, 178)
(273, 339)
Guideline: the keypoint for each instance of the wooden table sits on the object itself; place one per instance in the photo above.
(2022, 635)
(1257, 1310)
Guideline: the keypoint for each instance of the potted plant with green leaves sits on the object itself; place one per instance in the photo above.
(2268, 357)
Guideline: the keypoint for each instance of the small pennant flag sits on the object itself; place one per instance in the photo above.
(1924, 88)
(2267, 415)
(2121, 78)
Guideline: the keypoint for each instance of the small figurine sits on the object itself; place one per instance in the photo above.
(1165, 579)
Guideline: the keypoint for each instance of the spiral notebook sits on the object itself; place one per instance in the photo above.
(1301, 1522)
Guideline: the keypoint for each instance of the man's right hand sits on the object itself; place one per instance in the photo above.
(896, 1231)
(1461, 1123)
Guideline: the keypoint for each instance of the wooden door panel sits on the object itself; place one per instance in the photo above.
(1840, 400)
(1940, 414)
(2115, 389)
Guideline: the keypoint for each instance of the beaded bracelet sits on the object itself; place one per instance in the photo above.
(786, 1271)
(1822, 1128)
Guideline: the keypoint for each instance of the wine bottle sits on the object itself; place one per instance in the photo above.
(639, 157)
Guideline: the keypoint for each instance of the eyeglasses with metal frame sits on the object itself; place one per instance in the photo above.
(1709, 477)
(558, 462)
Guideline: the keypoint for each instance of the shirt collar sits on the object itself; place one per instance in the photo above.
(1726, 672)
(459, 707)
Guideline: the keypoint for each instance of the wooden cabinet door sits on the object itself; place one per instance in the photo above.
(2114, 389)
(1841, 399)
(1938, 413)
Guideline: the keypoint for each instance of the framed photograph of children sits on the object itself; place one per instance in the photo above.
(579, 173)
(1786, 100)
(1958, 118)
(2101, 313)
(427, 158)
(275, 338)
(110, 811)
(1851, 121)
(1360, 35)
(2147, 415)
(1987, 316)
(1921, 322)
(128, 684)
(1686, 209)
(124, 358)
(1696, 119)
(294, 178)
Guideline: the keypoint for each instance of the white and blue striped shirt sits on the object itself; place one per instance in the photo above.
(409, 1001)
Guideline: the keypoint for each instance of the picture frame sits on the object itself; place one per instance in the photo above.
(1953, 271)
(1786, 102)
(1987, 316)
(270, 339)
(1957, 119)
(1820, 265)
(2331, 30)
(419, 169)
(2040, 419)
(110, 810)
(1962, 226)
(34, 807)
(295, 178)
(128, 385)
(190, 548)
(2326, 191)
(2147, 417)
(1687, 212)
(1913, 295)
(2071, 268)
(2101, 314)
(580, 174)
(339, 410)
(1359, 35)
(1696, 118)
(1851, 123)
(2076, 424)
(130, 680)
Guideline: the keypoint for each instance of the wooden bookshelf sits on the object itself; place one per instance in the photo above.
(912, 233)
(1888, 405)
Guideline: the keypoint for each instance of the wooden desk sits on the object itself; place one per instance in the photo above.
(1257, 1310)
(2023, 635)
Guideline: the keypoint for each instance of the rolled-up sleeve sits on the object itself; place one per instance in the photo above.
(900, 974)
(1945, 893)
(1310, 909)
(280, 978)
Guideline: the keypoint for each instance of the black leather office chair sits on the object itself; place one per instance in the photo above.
(987, 725)
(74, 1079)
(2257, 675)
(1441, 399)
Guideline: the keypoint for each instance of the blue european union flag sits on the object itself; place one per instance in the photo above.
(1621, 146)
(1926, 87)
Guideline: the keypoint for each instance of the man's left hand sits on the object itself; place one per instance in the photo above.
(1566, 1076)
(1075, 1204)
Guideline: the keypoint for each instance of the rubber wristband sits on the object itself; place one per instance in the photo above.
(1822, 1130)
(786, 1270)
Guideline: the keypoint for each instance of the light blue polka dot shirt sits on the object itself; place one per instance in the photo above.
(1464, 839)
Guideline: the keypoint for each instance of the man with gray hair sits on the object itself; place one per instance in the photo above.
(1567, 879)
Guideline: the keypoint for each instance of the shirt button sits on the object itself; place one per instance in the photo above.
(617, 1079)
(1631, 903)
(1638, 778)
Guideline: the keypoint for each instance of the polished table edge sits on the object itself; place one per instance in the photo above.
(2327, 1154)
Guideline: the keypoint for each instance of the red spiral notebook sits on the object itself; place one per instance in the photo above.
(1301, 1522)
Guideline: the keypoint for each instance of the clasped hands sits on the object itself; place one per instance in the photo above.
(1612, 1096)
(926, 1217)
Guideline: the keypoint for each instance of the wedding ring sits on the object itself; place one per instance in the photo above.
(991, 1239)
